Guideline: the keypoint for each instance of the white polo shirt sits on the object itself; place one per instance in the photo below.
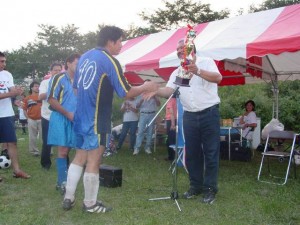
(201, 94)
(45, 111)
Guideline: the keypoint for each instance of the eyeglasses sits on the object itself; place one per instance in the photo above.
(3, 61)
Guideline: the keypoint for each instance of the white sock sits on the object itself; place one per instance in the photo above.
(74, 174)
(91, 187)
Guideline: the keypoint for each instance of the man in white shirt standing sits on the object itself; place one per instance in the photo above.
(201, 124)
(55, 68)
(7, 117)
(130, 122)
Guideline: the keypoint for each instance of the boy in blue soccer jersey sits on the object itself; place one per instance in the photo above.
(62, 100)
(98, 74)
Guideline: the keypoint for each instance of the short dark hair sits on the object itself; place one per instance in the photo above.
(71, 59)
(32, 84)
(109, 33)
(251, 102)
(55, 64)
(2, 54)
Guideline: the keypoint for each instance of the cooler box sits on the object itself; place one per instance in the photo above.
(240, 153)
(110, 176)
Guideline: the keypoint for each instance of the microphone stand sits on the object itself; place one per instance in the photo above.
(174, 193)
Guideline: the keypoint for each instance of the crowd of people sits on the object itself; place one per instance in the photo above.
(73, 108)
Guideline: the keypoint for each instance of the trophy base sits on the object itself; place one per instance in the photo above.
(182, 82)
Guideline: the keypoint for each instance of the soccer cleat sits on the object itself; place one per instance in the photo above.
(68, 204)
(97, 208)
(62, 188)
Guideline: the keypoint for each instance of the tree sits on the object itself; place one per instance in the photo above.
(134, 31)
(52, 44)
(234, 107)
(180, 13)
(272, 4)
(55, 44)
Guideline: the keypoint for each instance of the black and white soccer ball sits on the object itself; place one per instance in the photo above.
(5, 162)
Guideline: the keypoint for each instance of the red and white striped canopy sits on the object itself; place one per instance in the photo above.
(263, 44)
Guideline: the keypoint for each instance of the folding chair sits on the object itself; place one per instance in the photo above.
(180, 139)
(280, 154)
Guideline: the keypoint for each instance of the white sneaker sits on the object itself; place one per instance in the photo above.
(136, 151)
(148, 151)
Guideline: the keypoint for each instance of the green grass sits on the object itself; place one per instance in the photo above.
(241, 199)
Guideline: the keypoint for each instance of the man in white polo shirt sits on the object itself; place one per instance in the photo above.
(55, 68)
(201, 124)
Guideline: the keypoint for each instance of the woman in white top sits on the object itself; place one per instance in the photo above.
(248, 120)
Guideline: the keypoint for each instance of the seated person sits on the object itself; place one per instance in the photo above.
(116, 131)
(248, 120)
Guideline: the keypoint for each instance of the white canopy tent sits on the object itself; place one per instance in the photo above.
(264, 44)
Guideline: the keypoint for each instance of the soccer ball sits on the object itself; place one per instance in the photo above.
(4, 162)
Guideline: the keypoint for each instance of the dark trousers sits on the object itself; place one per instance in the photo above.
(46, 149)
(202, 142)
(130, 126)
(23, 123)
(171, 140)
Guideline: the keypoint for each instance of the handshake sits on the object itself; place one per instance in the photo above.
(149, 89)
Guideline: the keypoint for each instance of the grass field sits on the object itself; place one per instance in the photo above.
(241, 198)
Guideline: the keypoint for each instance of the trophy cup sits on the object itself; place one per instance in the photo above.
(189, 56)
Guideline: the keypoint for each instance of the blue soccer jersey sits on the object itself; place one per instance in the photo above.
(61, 88)
(97, 75)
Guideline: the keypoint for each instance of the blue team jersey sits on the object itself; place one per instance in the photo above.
(97, 75)
(61, 88)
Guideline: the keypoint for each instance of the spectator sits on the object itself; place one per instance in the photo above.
(248, 120)
(130, 122)
(22, 117)
(7, 117)
(55, 68)
(32, 110)
(147, 110)
(116, 131)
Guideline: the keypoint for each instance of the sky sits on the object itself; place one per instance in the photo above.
(20, 19)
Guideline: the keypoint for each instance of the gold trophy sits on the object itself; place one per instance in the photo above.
(189, 57)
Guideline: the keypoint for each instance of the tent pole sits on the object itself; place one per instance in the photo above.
(275, 88)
